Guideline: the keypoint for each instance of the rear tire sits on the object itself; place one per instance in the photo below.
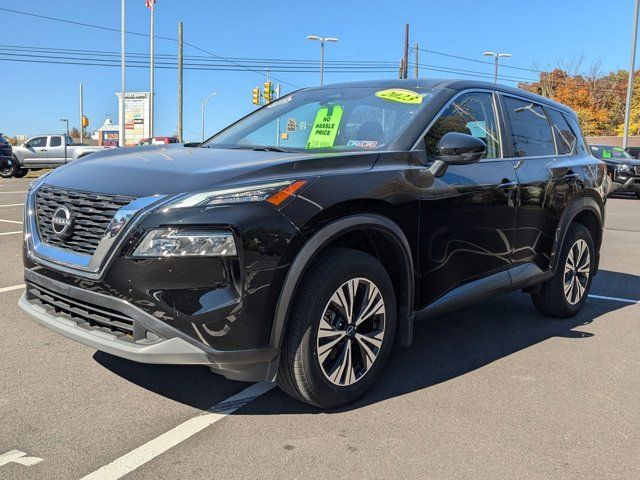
(340, 330)
(564, 295)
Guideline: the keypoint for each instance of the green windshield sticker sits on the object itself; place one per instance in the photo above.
(325, 128)
(606, 153)
(400, 95)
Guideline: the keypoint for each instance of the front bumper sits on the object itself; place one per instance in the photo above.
(625, 182)
(84, 316)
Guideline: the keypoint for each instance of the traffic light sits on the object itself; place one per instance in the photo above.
(256, 96)
(267, 92)
(85, 121)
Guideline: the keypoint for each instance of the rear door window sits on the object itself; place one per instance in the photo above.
(531, 134)
(55, 141)
(565, 138)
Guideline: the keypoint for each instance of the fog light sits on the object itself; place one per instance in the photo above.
(167, 242)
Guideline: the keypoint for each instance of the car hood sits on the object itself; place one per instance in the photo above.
(171, 169)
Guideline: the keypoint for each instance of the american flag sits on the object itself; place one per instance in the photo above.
(150, 3)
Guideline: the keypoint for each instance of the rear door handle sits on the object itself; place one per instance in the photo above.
(508, 184)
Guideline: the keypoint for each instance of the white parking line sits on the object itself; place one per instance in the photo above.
(141, 455)
(614, 299)
(10, 221)
(12, 205)
(11, 233)
(16, 191)
(11, 288)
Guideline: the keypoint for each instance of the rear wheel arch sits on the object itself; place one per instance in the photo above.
(371, 233)
(585, 211)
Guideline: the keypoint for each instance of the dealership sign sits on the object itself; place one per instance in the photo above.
(136, 115)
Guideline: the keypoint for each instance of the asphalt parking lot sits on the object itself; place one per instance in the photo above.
(490, 391)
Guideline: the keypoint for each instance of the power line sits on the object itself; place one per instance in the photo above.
(100, 27)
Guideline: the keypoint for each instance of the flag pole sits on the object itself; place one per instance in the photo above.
(151, 73)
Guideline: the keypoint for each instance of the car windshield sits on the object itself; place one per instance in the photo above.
(328, 119)
(603, 152)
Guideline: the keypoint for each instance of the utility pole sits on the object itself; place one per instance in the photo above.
(405, 56)
(416, 66)
(401, 69)
(81, 115)
(627, 110)
(180, 77)
(152, 9)
(123, 84)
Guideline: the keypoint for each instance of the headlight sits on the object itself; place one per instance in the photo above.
(168, 242)
(274, 193)
(624, 168)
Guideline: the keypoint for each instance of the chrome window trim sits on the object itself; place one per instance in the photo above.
(82, 265)
(449, 102)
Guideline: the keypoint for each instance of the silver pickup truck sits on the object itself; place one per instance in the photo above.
(45, 151)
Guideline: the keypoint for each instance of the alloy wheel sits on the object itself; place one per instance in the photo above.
(576, 272)
(351, 331)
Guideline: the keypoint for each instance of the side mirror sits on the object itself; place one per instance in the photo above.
(457, 149)
(460, 149)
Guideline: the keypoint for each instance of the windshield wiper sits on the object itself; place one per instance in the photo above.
(260, 148)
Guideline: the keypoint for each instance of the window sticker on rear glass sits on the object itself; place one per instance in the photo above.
(362, 143)
(606, 153)
(325, 128)
(400, 95)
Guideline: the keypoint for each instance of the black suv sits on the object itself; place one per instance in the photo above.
(6, 158)
(300, 241)
(622, 168)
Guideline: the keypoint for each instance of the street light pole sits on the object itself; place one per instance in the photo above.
(204, 104)
(151, 69)
(496, 57)
(123, 5)
(627, 110)
(322, 41)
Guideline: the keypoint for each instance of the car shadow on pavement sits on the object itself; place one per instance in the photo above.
(443, 348)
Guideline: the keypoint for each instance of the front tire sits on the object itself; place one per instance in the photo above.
(564, 295)
(340, 331)
(7, 172)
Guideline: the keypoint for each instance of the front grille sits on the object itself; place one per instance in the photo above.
(85, 315)
(91, 213)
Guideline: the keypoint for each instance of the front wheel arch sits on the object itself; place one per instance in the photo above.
(330, 235)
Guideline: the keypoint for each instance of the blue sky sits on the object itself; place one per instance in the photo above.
(36, 96)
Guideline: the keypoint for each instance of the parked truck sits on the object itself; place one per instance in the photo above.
(45, 151)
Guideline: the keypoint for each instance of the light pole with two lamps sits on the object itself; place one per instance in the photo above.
(496, 56)
(322, 41)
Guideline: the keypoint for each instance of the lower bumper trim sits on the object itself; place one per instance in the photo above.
(174, 351)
